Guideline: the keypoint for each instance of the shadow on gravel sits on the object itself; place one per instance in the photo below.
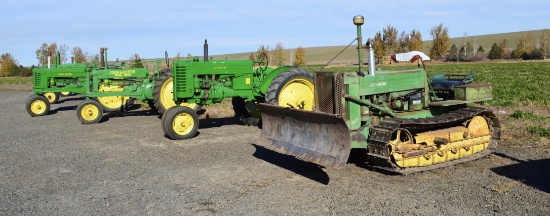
(61, 109)
(63, 100)
(531, 172)
(109, 115)
(305, 169)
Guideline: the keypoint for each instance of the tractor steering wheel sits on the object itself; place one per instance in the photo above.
(263, 61)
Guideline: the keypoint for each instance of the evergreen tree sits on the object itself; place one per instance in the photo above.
(496, 52)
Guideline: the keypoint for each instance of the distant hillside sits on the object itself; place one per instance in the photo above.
(321, 55)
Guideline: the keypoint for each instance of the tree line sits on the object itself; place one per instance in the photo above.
(389, 42)
(385, 43)
(278, 57)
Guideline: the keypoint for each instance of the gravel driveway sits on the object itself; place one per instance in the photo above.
(54, 165)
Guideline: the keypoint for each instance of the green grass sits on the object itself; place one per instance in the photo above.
(518, 114)
(15, 80)
(540, 131)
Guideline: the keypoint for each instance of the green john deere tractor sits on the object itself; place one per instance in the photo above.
(406, 122)
(247, 82)
(107, 88)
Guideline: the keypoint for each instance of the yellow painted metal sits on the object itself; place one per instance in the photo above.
(38, 107)
(297, 93)
(65, 93)
(167, 96)
(51, 96)
(462, 141)
(112, 102)
(89, 112)
(183, 124)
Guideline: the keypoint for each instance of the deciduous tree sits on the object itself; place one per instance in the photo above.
(379, 47)
(526, 45)
(8, 65)
(300, 57)
(279, 56)
(390, 39)
(402, 42)
(440, 41)
(415, 41)
(79, 54)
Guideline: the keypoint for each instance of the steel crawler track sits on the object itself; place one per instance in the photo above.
(380, 135)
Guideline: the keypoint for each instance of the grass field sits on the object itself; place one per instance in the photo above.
(15, 80)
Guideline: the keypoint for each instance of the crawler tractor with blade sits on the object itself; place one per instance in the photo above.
(406, 122)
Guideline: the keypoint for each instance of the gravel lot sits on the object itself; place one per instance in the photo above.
(53, 165)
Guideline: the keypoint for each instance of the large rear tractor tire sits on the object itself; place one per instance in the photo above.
(53, 97)
(163, 94)
(247, 112)
(37, 105)
(89, 111)
(292, 88)
(180, 122)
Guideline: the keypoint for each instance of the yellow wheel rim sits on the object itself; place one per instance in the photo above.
(112, 102)
(297, 93)
(89, 112)
(167, 96)
(50, 96)
(38, 107)
(65, 93)
(183, 124)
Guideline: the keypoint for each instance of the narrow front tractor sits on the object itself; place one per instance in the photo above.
(247, 82)
(106, 88)
(405, 122)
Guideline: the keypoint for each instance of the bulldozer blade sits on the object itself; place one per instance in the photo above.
(317, 137)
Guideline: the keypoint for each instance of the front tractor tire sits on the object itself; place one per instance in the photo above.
(292, 88)
(37, 105)
(163, 94)
(53, 97)
(89, 111)
(180, 122)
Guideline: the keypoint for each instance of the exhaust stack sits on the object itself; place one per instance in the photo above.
(358, 21)
(102, 59)
(205, 50)
(49, 59)
(371, 62)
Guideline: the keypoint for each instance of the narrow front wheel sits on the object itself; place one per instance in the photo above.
(89, 112)
(37, 105)
(180, 122)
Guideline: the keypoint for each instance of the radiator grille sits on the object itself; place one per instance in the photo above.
(329, 89)
(37, 79)
(180, 79)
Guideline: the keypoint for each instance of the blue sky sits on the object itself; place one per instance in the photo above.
(149, 28)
